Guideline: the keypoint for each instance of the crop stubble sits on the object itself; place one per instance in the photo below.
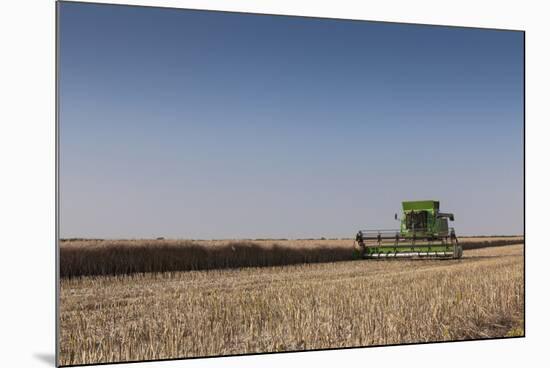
(146, 316)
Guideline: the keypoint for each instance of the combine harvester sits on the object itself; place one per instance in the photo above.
(424, 232)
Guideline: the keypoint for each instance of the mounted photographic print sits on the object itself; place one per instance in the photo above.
(236, 183)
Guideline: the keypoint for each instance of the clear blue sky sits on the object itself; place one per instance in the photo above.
(194, 124)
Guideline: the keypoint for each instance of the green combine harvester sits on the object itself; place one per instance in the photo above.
(424, 232)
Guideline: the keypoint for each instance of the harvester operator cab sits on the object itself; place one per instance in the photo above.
(416, 220)
(422, 218)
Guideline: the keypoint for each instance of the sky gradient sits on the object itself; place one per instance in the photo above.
(195, 124)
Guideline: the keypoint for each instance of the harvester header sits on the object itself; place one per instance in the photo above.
(424, 232)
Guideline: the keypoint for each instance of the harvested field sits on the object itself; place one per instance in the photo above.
(145, 316)
(119, 257)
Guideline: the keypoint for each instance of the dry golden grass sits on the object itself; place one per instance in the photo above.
(118, 257)
(311, 306)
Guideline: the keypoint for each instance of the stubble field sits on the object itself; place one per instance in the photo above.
(158, 315)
